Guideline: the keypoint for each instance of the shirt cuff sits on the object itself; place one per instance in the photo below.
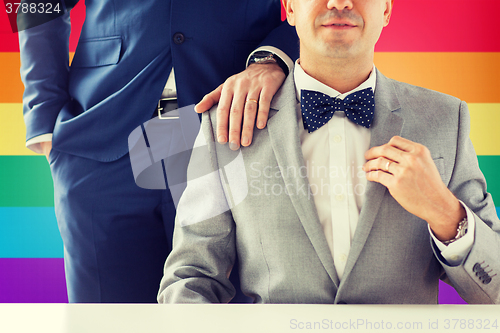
(455, 252)
(34, 143)
(282, 55)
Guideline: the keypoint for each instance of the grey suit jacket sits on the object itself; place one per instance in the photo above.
(254, 203)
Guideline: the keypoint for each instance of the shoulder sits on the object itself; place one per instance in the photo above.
(428, 115)
(409, 94)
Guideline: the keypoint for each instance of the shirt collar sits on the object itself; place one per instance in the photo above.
(305, 81)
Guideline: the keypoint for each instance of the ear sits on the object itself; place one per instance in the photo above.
(388, 12)
(290, 17)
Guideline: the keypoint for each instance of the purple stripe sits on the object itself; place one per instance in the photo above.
(32, 281)
(448, 295)
(42, 281)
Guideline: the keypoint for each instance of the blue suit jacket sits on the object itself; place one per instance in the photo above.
(125, 53)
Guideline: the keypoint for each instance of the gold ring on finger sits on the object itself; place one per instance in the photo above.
(388, 165)
(252, 100)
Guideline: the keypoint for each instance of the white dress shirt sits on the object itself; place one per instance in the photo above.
(334, 157)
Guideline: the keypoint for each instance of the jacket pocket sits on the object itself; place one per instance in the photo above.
(98, 52)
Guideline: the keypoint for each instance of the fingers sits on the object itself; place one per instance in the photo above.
(209, 100)
(224, 98)
(266, 95)
(392, 150)
(235, 120)
(381, 177)
(381, 170)
(386, 151)
(402, 144)
(381, 164)
(251, 106)
(244, 100)
(225, 101)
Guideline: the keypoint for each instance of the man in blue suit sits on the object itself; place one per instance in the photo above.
(117, 235)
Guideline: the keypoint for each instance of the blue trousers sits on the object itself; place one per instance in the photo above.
(116, 235)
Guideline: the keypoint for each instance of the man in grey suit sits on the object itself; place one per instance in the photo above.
(361, 189)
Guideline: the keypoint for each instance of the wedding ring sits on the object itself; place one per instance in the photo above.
(252, 100)
(388, 165)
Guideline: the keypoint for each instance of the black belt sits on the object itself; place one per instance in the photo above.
(167, 108)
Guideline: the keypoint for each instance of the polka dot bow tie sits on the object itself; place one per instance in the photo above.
(318, 108)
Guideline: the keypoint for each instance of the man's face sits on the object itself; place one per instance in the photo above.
(341, 29)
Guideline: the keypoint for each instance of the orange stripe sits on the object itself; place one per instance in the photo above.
(11, 87)
(472, 77)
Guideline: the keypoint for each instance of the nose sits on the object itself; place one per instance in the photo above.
(339, 4)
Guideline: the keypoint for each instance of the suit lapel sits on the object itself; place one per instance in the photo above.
(284, 137)
(386, 124)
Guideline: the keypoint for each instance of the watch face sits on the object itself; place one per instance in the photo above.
(262, 54)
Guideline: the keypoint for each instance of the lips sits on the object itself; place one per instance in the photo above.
(339, 24)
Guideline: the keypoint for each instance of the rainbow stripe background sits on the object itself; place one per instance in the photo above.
(452, 46)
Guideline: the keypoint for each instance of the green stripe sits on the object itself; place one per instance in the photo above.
(490, 166)
(25, 181)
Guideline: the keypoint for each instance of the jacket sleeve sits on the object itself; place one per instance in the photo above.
(283, 40)
(197, 270)
(477, 279)
(44, 51)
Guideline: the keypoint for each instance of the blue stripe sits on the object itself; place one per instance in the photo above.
(29, 232)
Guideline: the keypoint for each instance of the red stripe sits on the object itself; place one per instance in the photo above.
(450, 26)
(442, 26)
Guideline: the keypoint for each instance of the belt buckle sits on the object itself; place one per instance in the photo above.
(160, 109)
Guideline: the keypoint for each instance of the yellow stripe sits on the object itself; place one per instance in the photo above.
(485, 134)
(472, 77)
(484, 129)
(12, 130)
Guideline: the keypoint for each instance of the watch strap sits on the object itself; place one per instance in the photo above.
(266, 57)
(461, 231)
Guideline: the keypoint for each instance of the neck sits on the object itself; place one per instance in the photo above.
(342, 75)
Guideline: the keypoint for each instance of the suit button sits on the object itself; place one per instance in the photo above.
(179, 38)
(488, 280)
(476, 267)
(484, 277)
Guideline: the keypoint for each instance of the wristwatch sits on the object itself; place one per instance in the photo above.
(266, 57)
(461, 231)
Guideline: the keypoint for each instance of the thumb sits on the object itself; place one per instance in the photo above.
(209, 100)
